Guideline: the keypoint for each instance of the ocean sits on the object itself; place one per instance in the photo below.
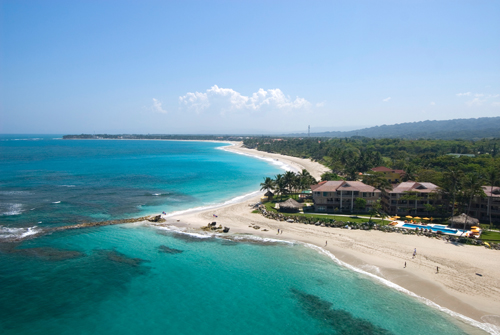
(140, 279)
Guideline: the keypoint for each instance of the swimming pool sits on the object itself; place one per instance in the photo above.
(434, 228)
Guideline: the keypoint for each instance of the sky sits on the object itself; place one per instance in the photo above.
(226, 67)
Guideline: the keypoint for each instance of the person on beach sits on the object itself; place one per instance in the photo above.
(278, 232)
(405, 265)
(326, 243)
(437, 269)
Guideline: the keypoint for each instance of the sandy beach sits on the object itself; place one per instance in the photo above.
(468, 281)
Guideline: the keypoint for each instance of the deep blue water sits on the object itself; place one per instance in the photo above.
(135, 279)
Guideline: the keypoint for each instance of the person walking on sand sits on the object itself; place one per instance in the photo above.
(437, 269)
(405, 265)
(278, 232)
(326, 243)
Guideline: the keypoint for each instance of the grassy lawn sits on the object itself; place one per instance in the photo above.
(270, 208)
(490, 236)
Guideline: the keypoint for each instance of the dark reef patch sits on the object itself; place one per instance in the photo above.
(339, 321)
(45, 253)
(118, 257)
(166, 250)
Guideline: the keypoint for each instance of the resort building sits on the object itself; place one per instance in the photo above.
(340, 196)
(480, 208)
(393, 176)
(412, 198)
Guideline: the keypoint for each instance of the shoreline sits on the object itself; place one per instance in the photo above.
(457, 287)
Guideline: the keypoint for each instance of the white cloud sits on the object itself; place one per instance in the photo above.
(495, 104)
(479, 98)
(226, 100)
(157, 107)
(386, 99)
(321, 104)
(432, 103)
(475, 102)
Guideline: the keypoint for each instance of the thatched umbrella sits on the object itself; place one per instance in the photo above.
(290, 205)
(463, 219)
(269, 194)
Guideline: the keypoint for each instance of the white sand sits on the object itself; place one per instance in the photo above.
(457, 286)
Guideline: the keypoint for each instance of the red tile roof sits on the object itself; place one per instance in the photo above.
(342, 185)
(489, 193)
(413, 186)
(313, 187)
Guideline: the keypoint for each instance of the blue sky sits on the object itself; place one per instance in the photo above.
(244, 66)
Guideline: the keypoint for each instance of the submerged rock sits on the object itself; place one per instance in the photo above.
(167, 250)
(46, 253)
(118, 257)
(342, 322)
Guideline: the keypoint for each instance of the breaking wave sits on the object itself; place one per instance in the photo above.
(10, 209)
(12, 234)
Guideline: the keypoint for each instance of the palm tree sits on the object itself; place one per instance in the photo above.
(409, 173)
(305, 179)
(493, 178)
(267, 185)
(377, 180)
(451, 182)
(473, 187)
(280, 185)
(290, 180)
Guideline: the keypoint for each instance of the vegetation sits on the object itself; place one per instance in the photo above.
(269, 205)
(490, 236)
(467, 129)
(288, 183)
(459, 177)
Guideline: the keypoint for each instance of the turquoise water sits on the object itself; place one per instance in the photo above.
(135, 279)
(50, 182)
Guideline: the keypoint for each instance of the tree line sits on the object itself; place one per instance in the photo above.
(288, 183)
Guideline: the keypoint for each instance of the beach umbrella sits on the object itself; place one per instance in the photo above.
(425, 219)
(397, 217)
(475, 227)
(417, 217)
(409, 217)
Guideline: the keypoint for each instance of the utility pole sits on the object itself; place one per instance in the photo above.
(308, 131)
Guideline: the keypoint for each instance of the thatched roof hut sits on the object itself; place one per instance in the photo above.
(269, 194)
(290, 205)
(463, 219)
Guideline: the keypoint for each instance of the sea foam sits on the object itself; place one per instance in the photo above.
(9, 233)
